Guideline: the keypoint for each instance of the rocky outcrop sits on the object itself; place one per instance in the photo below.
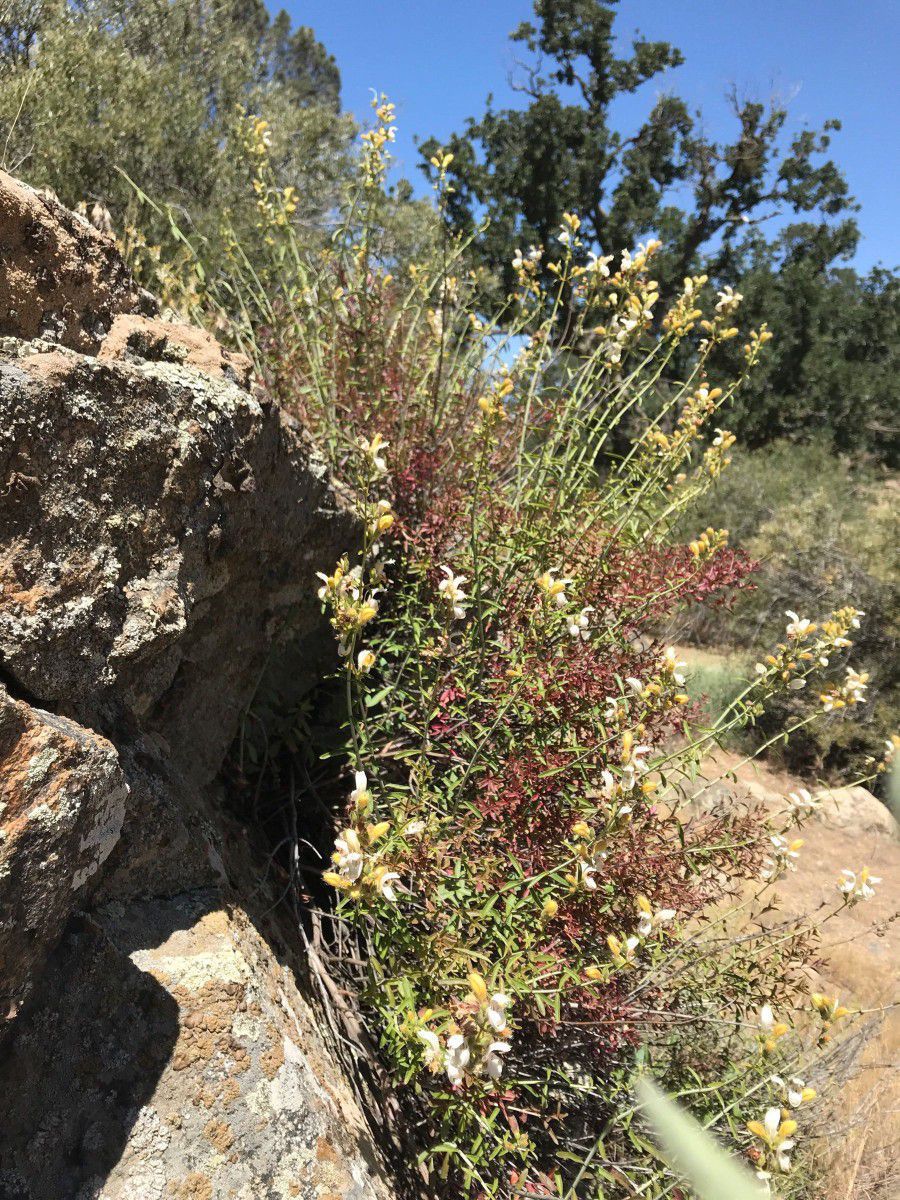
(160, 525)
(59, 278)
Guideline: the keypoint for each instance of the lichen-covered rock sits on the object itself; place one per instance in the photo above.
(200, 1072)
(160, 526)
(62, 803)
(181, 520)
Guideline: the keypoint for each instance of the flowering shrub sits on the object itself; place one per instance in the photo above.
(544, 912)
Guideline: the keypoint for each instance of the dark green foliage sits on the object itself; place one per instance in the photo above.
(830, 371)
(154, 88)
(522, 168)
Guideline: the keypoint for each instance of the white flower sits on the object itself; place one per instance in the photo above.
(360, 793)
(518, 262)
(728, 301)
(673, 666)
(855, 686)
(793, 1090)
(797, 627)
(599, 264)
(414, 828)
(579, 626)
(434, 1055)
(766, 1018)
(608, 780)
(385, 885)
(365, 661)
(648, 920)
(855, 888)
(456, 1058)
(452, 590)
(586, 873)
(783, 1156)
(802, 802)
(493, 1064)
(535, 254)
(348, 856)
(638, 754)
(496, 1011)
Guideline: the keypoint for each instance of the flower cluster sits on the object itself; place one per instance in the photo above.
(476, 1039)
(342, 591)
(775, 1134)
(375, 142)
(359, 867)
(847, 694)
(782, 857)
(684, 313)
(830, 1010)
(855, 886)
(809, 646)
(553, 589)
(770, 1029)
(450, 589)
(709, 542)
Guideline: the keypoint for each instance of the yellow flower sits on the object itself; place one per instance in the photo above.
(478, 986)
(374, 832)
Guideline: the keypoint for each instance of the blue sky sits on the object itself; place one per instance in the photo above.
(438, 59)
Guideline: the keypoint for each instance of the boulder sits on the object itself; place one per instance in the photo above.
(198, 1071)
(61, 279)
(160, 526)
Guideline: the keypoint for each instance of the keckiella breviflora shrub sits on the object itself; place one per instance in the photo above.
(543, 908)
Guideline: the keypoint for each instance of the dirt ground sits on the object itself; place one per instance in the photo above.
(860, 1143)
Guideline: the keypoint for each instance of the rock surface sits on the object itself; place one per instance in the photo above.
(160, 525)
(61, 279)
(62, 804)
(197, 1072)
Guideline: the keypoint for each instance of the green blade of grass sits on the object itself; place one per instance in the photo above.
(712, 1173)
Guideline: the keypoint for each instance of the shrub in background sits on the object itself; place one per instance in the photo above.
(154, 89)
(825, 534)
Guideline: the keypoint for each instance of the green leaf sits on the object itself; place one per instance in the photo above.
(713, 1174)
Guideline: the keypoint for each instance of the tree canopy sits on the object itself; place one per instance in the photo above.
(520, 168)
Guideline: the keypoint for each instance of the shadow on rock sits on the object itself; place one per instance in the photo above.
(83, 1061)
